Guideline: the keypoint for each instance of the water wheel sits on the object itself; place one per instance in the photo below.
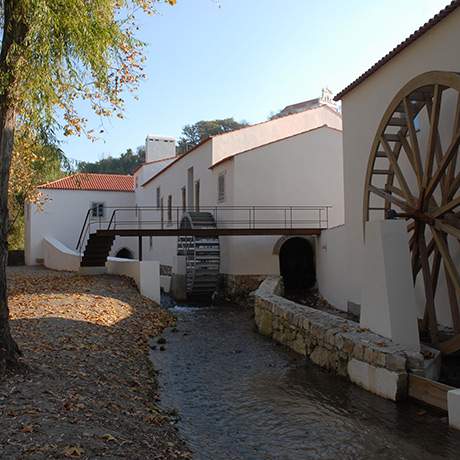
(413, 174)
(202, 256)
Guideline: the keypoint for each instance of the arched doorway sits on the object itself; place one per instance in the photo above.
(124, 253)
(297, 264)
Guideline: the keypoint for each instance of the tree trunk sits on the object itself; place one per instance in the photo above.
(14, 33)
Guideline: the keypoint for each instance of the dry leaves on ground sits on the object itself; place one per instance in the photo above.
(89, 390)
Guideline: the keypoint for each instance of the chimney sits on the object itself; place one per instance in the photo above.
(159, 148)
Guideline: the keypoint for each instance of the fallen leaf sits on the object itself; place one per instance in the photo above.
(73, 451)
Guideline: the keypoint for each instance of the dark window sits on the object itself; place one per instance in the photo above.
(221, 187)
(197, 195)
(184, 199)
(169, 208)
(158, 197)
(97, 209)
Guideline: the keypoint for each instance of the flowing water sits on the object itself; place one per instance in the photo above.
(241, 396)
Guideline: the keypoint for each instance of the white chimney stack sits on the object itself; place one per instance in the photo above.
(159, 148)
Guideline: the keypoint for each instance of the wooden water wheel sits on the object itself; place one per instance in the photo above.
(413, 174)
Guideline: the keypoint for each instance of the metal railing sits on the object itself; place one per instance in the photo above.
(253, 217)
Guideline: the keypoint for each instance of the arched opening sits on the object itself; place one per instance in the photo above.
(297, 264)
(124, 253)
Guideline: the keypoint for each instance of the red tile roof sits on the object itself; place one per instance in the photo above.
(416, 35)
(90, 181)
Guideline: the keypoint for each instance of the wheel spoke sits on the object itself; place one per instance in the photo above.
(411, 157)
(433, 133)
(446, 208)
(455, 183)
(447, 228)
(438, 154)
(455, 128)
(428, 282)
(413, 137)
(447, 158)
(397, 170)
(447, 259)
(389, 197)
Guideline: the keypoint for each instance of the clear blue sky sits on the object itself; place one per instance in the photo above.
(246, 58)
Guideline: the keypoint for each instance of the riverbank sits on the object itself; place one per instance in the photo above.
(88, 389)
(247, 397)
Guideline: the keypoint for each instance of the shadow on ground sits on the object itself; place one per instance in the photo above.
(89, 390)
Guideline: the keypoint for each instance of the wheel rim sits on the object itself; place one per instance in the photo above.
(413, 174)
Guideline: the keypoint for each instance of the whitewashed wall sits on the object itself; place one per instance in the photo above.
(227, 145)
(362, 111)
(171, 182)
(305, 169)
(62, 218)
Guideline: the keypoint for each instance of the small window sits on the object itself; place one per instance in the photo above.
(97, 209)
(158, 197)
(221, 187)
(184, 199)
(197, 195)
(169, 208)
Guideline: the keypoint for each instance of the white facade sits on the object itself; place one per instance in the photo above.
(62, 218)
(295, 160)
(341, 254)
(290, 161)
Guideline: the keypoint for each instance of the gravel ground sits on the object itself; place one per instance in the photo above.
(87, 389)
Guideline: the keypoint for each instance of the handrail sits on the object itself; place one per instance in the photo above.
(252, 221)
(287, 217)
(83, 230)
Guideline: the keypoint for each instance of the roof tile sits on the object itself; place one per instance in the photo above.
(90, 181)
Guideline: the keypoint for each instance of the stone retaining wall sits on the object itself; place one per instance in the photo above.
(339, 345)
(238, 287)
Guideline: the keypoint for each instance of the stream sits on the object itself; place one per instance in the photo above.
(241, 396)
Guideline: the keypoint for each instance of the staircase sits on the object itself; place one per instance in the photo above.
(97, 250)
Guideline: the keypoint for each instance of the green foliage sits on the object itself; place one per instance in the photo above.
(125, 164)
(36, 160)
(73, 50)
(55, 55)
(192, 135)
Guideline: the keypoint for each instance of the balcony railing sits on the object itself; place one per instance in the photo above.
(167, 218)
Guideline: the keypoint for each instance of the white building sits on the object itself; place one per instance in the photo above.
(417, 75)
(293, 160)
(66, 203)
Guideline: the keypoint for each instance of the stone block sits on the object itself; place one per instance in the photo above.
(298, 345)
(377, 380)
(358, 352)
(453, 408)
(395, 362)
(320, 356)
(264, 322)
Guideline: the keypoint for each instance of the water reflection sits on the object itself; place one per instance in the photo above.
(240, 396)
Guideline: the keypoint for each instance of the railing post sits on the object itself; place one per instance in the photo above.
(291, 214)
(327, 217)
(140, 248)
